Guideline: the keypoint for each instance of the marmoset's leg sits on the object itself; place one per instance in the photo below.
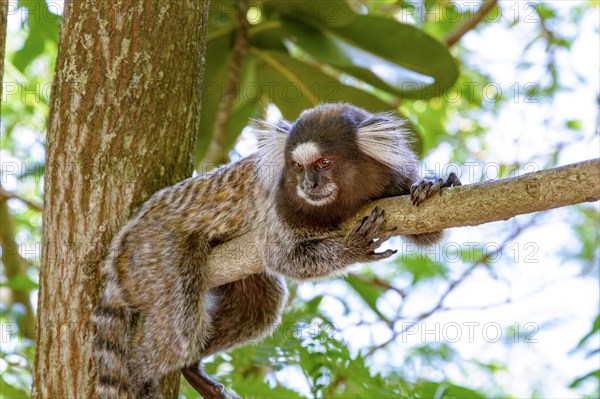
(244, 310)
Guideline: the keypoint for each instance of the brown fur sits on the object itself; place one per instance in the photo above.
(157, 314)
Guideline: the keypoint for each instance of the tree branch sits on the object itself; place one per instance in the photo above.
(217, 150)
(3, 21)
(472, 21)
(13, 267)
(4, 195)
(469, 205)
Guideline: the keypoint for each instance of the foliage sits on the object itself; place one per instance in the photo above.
(304, 53)
(349, 338)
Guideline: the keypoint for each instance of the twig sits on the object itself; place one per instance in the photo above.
(3, 25)
(481, 261)
(5, 195)
(13, 268)
(472, 21)
(507, 301)
(439, 306)
(379, 282)
(216, 153)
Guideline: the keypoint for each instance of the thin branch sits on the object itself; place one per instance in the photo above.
(3, 21)
(472, 21)
(469, 205)
(5, 195)
(507, 301)
(379, 282)
(481, 261)
(13, 267)
(216, 153)
(439, 306)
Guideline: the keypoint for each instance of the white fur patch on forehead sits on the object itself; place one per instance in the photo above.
(384, 138)
(306, 153)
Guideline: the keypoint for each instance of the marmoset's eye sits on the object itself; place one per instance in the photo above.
(298, 166)
(324, 163)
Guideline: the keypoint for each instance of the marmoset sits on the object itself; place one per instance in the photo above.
(157, 313)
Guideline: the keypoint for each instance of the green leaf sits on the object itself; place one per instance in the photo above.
(595, 329)
(20, 282)
(422, 268)
(268, 36)
(394, 57)
(367, 292)
(240, 119)
(218, 54)
(8, 391)
(294, 85)
(312, 306)
(574, 124)
(445, 390)
(592, 374)
(256, 388)
(316, 13)
(222, 14)
(43, 26)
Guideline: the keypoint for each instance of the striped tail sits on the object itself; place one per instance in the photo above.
(112, 319)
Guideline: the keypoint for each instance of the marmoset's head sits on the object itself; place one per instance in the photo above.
(337, 157)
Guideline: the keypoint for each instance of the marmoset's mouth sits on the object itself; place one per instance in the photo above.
(324, 197)
(317, 197)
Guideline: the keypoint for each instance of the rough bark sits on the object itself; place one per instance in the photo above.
(468, 205)
(124, 112)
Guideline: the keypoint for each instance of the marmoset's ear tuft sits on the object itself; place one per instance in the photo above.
(386, 138)
(271, 151)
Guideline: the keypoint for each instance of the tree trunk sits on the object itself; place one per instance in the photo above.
(124, 112)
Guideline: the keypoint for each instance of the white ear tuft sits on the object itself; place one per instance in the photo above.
(270, 157)
(385, 138)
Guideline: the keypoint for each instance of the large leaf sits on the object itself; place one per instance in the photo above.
(8, 391)
(295, 86)
(268, 37)
(218, 54)
(43, 27)
(330, 33)
(387, 54)
(329, 13)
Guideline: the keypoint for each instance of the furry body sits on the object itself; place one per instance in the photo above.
(156, 313)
